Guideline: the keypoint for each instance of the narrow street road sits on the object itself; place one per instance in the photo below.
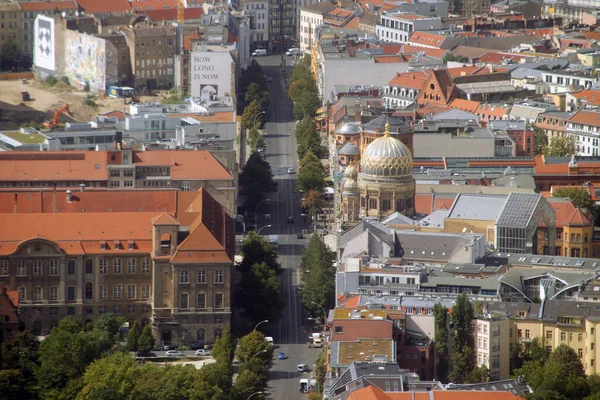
(281, 154)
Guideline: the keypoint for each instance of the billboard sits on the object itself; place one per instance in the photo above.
(86, 60)
(212, 73)
(43, 43)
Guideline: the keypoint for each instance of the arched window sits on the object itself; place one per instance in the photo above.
(200, 335)
(89, 266)
(89, 291)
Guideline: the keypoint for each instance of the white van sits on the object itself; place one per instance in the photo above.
(259, 53)
(269, 340)
(294, 51)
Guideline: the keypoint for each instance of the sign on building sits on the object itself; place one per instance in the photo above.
(43, 43)
(212, 74)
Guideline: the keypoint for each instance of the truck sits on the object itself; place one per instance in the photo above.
(121, 92)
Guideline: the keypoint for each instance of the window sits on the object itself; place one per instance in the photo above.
(103, 292)
(22, 293)
(580, 337)
(146, 266)
(3, 268)
(89, 291)
(37, 267)
(580, 352)
(117, 266)
(183, 300)
(186, 186)
(201, 276)
(128, 172)
(53, 293)
(103, 266)
(184, 277)
(70, 310)
(201, 303)
(131, 308)
(563, 336)
(131, 266)
(548, 334)
(37, 293)
(117, 309)
(219, 276)
(339, 329)
(53, 311)
(115, 173)
(219, 300)
(527, 333)
(21, 270)
(71, 267)
(592, 346)
(131, 291)
(519, 332)
(117, 290)
(71, 293)
(89, 266)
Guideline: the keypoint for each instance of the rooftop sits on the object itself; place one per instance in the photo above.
(366, 350)
(25, 138)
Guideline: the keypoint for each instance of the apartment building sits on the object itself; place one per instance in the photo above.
(152, 52)
(173, 271)
(30, 10)
(282, 24)
(584, 127)
(10, 23)
(183, 170)
(403, 89)
(565, 80)
(398, 28)
(259, 25)
(491, 345)
(310, 18)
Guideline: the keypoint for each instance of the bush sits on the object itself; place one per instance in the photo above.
(65, 79)
(51, 81)
(87, 86)
(89, 100)
(61, 85)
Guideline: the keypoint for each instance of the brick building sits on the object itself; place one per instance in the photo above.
(9, 314)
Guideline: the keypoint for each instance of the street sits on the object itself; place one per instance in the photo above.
(281, 154)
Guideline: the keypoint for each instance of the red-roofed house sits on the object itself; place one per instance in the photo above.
(487, 112)
(584, 126)
(426, 39)
(170, 14)
(398, 27)
(105, 6)
(589, 98)
(403, 89)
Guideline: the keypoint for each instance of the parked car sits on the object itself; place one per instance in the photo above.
(259, 53)
(269, 79)
(196, 346)
(174, 353)
(302, 368)
(300, 235)
(281, 355)
(290, 170)
(147, 354)
(202, 353)
(294, 51)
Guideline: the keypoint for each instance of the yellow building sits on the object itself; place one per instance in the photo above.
(578, 232)
(554, 322)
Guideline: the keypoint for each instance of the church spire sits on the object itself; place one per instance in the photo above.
(387, 126)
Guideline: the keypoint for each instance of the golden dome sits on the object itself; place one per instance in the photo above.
(386, 157)
(350, 171)
(350, 187)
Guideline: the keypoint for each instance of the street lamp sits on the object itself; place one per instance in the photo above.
(260, 352)
(258, 205)
(266, 226)
(254, 394)
(256, 116)
(261, 322)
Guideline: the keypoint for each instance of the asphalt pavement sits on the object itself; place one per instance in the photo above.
(288, 336)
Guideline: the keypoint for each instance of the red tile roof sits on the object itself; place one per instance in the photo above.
(374, 393)
(411, 80)
(53, 166)
(473, 70)
(465, 105)
(499, 58)
(194, 165)
(577, 218)
(105, 6)
(491, 111)
(171, 14)
(49, 5)
(591, 118)
(588, 96)
(427, 39)
(435, 53)
(150, 5)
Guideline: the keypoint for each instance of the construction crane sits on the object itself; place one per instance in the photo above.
(57, 114)
(181, 14)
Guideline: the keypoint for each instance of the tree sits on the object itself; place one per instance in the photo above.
(307, 138)
(461, 363)
(561, 147)
(113, 375)
(256, 93)
(299, 86)
(567, 358)
(479, 374)
(111, 324)
(311, 176)
(314, 201)
(11, 55)
(247, 383)
(256, 180)
(258, 294)
(580, 197)
(255, 250)
(224, 347)
(452, 57)
(146, 341)
(321, 370)
(461, 317)
(13, 385)
(23, 355)
(133, 337)
(253, 346)
(318, 275)
(255, 139)
(252, 114)
(540, 141)
(306, 104)
(440, 316)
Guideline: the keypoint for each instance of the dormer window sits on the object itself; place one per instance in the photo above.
(102, 245)
(130, 245)
(117, 245)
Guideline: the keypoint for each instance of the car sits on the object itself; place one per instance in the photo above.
(294, 51)
(202, 352)
(174, 353)
(259, 53)
(269, 79)
(290, 220)
(281, 355)
(290, 170)
(302, 368)
(196, 346)
(300, 235)
(146, 354)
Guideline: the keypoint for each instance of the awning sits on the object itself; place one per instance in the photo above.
(320, 110)
(322, 118)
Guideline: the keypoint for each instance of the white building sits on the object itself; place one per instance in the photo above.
(403, 89)
(212, 72)
(398, 28)
(310, 18)
(565, 80)
(259, 17)
(584, 127)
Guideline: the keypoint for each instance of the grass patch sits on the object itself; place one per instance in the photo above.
(24, 138)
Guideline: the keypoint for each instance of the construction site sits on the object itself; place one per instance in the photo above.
(44, 102)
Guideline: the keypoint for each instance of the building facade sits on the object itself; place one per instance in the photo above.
(398, 28)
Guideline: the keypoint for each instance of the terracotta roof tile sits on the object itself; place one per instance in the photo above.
(588, 95)
(164, 219)
(591, 118)
(374, 393)
(413, 80)
(563, 209)
(53, 166)
(577, 218)
(499, 58)
(427, 39)
(171, 13)
(491, 111)
(465, 105)
(435, 53)
(49, 5)
(105, 6)
(200, 165)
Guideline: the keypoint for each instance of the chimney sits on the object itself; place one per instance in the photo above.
(119, 140)
(69, 196)
(357, 111)
(81, 187)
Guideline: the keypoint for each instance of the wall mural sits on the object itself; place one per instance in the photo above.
(85, 60)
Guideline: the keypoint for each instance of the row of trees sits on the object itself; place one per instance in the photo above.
(258, 292)
(256, 180)
(303, 91)
(460, 368)
(253, 84)
(318, 276)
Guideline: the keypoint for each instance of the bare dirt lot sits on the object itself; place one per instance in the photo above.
(45, 101)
